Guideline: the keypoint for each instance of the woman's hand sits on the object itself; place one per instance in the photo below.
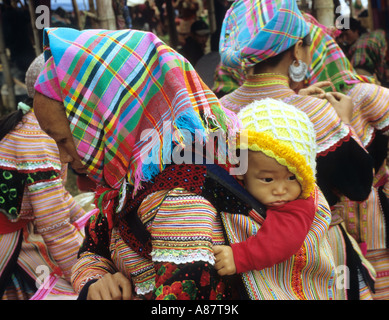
(315, 89)
(342, 104)
(225, 265)
(111, 287)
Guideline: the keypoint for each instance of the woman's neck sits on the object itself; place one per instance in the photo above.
(281, 68)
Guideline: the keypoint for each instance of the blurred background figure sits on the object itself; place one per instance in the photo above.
(366, 50)
(196, 43)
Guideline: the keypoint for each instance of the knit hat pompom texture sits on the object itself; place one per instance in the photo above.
(285, 134)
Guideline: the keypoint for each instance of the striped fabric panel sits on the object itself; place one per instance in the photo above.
(380, 261)
(150, 205)
(338, 247)
(53, 211)
(47, 286)
(329, 129)
(90, 266)
(185, 229)
(337, 243)
(371, 112)
(36, 261)
(374, 221)
(310, 274)
(137, 268)
(34, 254)
(55, 288)
(330, 63)
(364, 221)
(8, 243)
(27, 148)
(62, 290)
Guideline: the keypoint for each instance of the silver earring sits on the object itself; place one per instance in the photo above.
(298, 73)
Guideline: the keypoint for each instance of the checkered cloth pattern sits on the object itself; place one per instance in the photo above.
(254, 31)
(118, 88)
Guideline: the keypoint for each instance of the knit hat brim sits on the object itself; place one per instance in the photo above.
(284, 133)
(283, 154)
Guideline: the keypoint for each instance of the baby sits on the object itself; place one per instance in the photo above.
(281, 175)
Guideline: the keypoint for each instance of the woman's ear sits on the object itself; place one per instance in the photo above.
(297, 52)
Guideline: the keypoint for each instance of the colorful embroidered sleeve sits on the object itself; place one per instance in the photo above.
(94, 259)
(90, 266)
(183, 232)
(54, 212)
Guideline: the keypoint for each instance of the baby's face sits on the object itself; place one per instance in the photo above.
(268, 181)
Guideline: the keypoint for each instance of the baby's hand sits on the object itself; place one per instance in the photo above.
(224, 259)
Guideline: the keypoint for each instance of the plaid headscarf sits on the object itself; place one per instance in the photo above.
(227, 79)
(329, 62)
(255, 30)
(368, 53)
(118, 89)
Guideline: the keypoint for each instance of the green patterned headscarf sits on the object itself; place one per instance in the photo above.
(329, 62)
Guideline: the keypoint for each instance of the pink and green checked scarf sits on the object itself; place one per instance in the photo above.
(329, 63)
(118, 89)
(368, 53)
(255, 30)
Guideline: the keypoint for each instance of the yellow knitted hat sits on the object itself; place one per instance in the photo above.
(285, 134)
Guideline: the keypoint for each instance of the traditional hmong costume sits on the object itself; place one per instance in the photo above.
(338, 144)
(155, 226)
(365, 221)
(285, 134)
(40, 223)
(131, 100)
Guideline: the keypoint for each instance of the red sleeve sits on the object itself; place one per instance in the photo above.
(280, 237)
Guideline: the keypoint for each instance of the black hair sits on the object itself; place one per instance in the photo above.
(355, 25)
(9, 121)
(274, 61)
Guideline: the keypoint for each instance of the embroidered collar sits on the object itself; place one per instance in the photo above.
(266, 79)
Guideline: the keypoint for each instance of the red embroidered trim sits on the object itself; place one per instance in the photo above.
(335, 146)
(300, 262)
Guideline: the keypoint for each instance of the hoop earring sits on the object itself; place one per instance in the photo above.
(298, 73)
